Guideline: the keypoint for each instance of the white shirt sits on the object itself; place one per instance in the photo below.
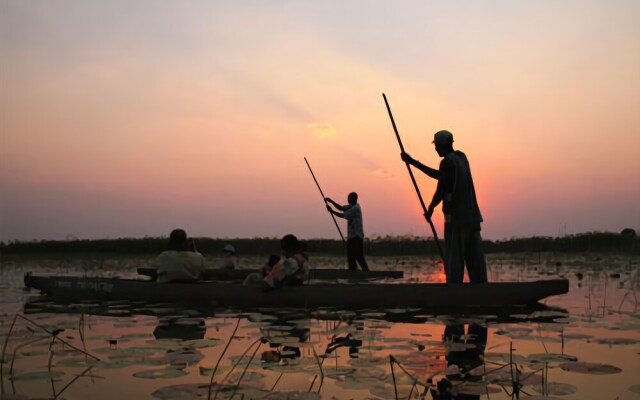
(179, 266)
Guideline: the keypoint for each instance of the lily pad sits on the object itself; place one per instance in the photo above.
(550, 357)
(555, 389)
(160, 373)
(617, 341)
(590, 368)
(207, 371)
(292, 396)
(37, 375)
(476, 389)
(202, 343)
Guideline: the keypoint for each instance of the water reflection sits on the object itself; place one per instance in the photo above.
(169, 351)
(465, 351)
(177, 328)
(283, 335)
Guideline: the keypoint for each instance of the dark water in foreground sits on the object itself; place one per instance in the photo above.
(587, 346)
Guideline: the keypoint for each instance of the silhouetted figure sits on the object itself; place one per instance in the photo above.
(355, 232)
(455, 190)
(181, 261)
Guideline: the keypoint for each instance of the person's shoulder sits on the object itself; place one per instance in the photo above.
(460, 154)
(195, 254)
(183, 255)
(166, 254)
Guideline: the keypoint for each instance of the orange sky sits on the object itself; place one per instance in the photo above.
(126, 120)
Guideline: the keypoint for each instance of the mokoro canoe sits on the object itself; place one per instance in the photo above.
(352, 296)
(236, 274)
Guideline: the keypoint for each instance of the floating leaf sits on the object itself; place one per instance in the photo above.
(37, 375)
(577, 335)
(514, 332)
(292, 396)
(76, 362)
(373, 315)
(132, 336)
(388, 391)
(617, 341)
(635, 388)
(555, 388)
(202, 343)
(550, 357)
(475, 389)
(590, 368)
(185, 356)
(160, 373)
(338, 372)
(207, 371)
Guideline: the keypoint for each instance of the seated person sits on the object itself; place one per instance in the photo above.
(181, 261)
(293, 266)
(268, 266)
(256, 278)
(231, 260)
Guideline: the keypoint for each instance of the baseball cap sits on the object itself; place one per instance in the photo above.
(442, 137)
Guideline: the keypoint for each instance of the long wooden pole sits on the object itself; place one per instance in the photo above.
(323, 197)
(413, 179)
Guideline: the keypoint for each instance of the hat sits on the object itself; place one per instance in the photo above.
(229, 248)
(443, 137)
(290, 243)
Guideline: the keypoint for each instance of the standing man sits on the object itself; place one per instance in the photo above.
(460, 207)
(355, 233)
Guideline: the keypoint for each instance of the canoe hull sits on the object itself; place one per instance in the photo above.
(352, 296)
(239, 274)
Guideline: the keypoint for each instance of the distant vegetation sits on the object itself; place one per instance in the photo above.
(624, 242)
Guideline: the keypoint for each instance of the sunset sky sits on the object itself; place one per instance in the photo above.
(127, 118)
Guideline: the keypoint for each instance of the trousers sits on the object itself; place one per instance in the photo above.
(463, 245)
(355, 252)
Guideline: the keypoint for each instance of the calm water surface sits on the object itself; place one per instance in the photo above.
(585, 345)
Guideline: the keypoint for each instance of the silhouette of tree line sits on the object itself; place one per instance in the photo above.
(625, 242)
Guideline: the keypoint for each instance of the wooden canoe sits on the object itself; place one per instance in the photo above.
(351, 296)
(239, 274)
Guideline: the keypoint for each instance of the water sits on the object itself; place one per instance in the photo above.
(585, 346)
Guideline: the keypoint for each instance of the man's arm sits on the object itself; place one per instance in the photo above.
(438, 196)
(332, 211)
(336, 205)
(433, 173)
(445, 186)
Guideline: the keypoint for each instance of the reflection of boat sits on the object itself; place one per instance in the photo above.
(231, 274)
(384, 295)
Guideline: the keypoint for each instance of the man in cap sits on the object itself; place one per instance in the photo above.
(355, 232)
(460, 207)
(231, 259)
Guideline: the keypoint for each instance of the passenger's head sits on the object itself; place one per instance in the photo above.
(289, 244)
(443, 140)
(228, 249)
(178, 240)
(352, 198)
